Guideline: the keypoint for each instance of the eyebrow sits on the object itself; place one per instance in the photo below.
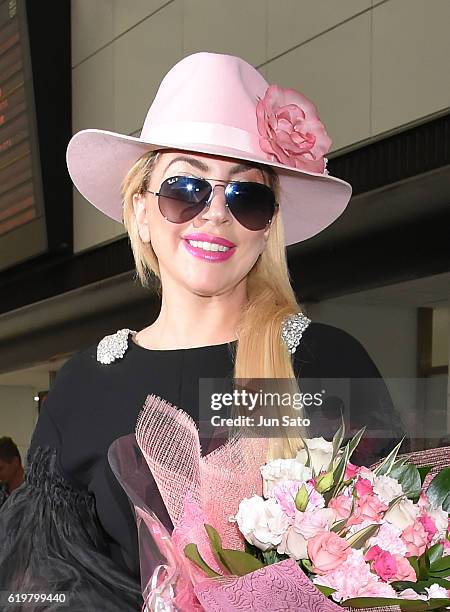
(197, 163)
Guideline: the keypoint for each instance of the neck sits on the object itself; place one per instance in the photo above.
(187, 320)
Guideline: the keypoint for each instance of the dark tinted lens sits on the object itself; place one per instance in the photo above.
(252, 204)
(181, 198)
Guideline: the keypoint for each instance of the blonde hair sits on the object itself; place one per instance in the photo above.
(260, 351)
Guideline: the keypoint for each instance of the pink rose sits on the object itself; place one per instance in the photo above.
(368, 507)
(350, 471)
(446, 544)
(327, 551)
(363, 487)
(383, 563)
(290, 130)
(342, 505)
(415, 538)
(404, 571)
(429, 525)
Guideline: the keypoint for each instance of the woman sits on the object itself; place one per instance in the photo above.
(226, 173)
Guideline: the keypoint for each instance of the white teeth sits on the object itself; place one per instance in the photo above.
(208, 246)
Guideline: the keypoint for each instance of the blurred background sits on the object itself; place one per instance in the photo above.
(378, 73)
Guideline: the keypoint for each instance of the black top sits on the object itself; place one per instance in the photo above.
(72, 514)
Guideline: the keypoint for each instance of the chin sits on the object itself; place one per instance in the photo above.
(207, 289)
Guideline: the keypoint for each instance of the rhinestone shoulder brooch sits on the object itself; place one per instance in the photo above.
(114, 346)
(292, 330)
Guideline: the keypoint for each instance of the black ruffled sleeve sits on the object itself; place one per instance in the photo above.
(51, 540)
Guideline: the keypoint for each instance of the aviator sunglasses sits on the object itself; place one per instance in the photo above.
(181, 198)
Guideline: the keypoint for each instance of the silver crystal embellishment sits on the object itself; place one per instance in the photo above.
(292, 330)
(114, 346)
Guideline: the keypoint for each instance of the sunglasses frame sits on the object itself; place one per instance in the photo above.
(208, 203)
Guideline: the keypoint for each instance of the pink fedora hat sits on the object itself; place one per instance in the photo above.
(221, 105)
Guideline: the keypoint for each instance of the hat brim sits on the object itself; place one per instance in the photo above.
(99, 160)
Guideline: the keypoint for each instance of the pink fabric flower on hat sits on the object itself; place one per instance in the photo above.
(291, 131)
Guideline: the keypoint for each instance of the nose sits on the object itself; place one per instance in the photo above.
(217, 209)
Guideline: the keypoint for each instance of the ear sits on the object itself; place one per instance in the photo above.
(140, 212)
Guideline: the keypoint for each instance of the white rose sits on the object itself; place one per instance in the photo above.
(320, 451)
(293, 544)
(402, 514)
(387, 488)
(281, 470)
(262, 522)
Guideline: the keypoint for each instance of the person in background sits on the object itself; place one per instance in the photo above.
(11, 469)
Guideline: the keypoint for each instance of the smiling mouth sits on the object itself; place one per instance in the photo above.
(208, 246)
(209, 251)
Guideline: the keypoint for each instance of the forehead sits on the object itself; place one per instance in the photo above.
(209, 165)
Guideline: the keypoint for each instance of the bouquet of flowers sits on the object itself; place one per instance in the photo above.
(311, 533)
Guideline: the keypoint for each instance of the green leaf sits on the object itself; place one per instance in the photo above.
(339, 470)
(355, 441)
(420, 585)
(339, 525)
(191, 552)
(271, 556)
(358, 539)
(414, 564)
(441, 566)
(306, 565)
(325, 590)
(435, 552)
(423, 471)
(424, 566)
(374, 602)
(385, 466)
(404, 604)
(337, 440)
(438, 490)
(240, 562)
(308, 462)
(409, 478)
(237, 562)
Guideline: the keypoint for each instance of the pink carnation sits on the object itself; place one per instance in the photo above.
(353, 578)
(415, 537)
(290, 130)
(429, 525)
(388, 538)
(383, 563)
(390, 567)
(285, 493)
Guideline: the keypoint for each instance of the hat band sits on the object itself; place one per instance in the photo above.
(200, 133)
